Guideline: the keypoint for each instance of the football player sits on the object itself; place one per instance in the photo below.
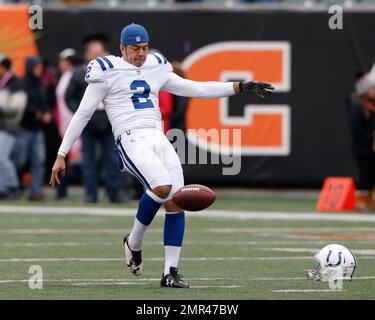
(128, 86)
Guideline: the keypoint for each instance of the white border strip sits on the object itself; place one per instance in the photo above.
(241, 215)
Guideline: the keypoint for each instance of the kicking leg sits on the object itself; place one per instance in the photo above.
(149, 205)
(140, 160)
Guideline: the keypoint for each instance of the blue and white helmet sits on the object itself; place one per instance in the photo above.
(336, 262)
(133, 34)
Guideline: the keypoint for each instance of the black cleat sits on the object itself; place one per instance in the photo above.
(173, 279)
(133, 258)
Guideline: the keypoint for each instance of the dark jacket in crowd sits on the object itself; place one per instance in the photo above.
(49, 80)
(177, 119)
(36, 97)
(12, 104)
(99, 122)
(362, 127)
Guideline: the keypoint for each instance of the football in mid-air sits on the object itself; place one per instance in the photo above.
(194, 197)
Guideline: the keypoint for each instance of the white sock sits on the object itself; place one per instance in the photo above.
(137, 235)
(172, 255)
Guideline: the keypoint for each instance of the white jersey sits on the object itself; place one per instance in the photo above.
(130, 94)
(132, 99)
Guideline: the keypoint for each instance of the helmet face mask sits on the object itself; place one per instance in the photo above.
(335, 262)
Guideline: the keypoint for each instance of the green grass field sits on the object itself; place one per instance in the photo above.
(254, 256)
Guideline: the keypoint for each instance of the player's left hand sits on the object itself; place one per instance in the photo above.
(58, 167)
(259, 88)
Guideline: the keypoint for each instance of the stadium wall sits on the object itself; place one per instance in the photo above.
(303, 127)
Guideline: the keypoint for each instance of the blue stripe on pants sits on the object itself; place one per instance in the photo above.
(134, 169)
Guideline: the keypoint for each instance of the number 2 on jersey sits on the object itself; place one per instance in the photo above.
(138, 104)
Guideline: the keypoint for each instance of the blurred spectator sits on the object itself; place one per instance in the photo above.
(12, 106)
(177, 118)
(76, 1)
(51, 133)
(49, 81)
(166, 106)
(67, 61)
(30, 145)
(257, 1)
(97, 132)
(361, 108)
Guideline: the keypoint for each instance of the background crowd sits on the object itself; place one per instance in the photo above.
(35, 111)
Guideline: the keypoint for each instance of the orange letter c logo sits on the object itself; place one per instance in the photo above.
(265, 129)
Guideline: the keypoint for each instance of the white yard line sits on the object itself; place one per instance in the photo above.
(143, 284)
(200, 230)
(206, 287)
(59, 259)
(95, 211)
(11, 260)
(136, 280)
(22, 260)
(211, 243)
(110, 283)
(306, 290)
(70, 231)
(302, 278)
(315, 250)
(59, 244)
(111, 280)
(309, 250)
(242, 215)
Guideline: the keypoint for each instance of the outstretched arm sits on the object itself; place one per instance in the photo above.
(211, 89)
(94, 94)
(188, 88)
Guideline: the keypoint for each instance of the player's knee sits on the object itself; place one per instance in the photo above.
(170, 206)
(162, 191)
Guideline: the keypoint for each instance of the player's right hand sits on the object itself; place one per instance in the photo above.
(58, 167)
(261, 89)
